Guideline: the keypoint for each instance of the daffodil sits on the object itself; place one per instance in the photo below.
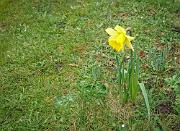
(118, 38)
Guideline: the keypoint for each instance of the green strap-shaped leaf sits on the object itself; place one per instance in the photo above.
(141, 85)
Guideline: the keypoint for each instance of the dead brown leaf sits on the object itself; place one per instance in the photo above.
(73, 65)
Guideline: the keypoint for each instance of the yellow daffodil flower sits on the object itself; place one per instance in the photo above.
(118, 38)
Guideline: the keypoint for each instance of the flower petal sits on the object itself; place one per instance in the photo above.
(111, 31)
(130, 38)
(128, 43)
(120, 29)
(114, 44)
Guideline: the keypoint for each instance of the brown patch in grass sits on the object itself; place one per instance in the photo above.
(101, 56)
(176, 127)
(142, 54)
(164, 108)
(3, 25)
(72, 127)
(159, 45)
(49, 99)
(124, 14)
(175, 53)
(80, 49)
(151, 11)
(124, 112)
(111, 63)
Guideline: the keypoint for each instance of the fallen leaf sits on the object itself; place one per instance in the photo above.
(73, 65)
(142, 54)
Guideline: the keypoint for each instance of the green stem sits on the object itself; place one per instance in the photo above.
(118, 69)
(121, 76)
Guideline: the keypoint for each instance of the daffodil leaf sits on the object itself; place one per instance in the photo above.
(141, 85)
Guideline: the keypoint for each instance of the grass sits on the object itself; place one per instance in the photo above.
(57, 72)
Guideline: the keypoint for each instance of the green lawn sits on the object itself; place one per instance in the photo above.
(57, 71)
